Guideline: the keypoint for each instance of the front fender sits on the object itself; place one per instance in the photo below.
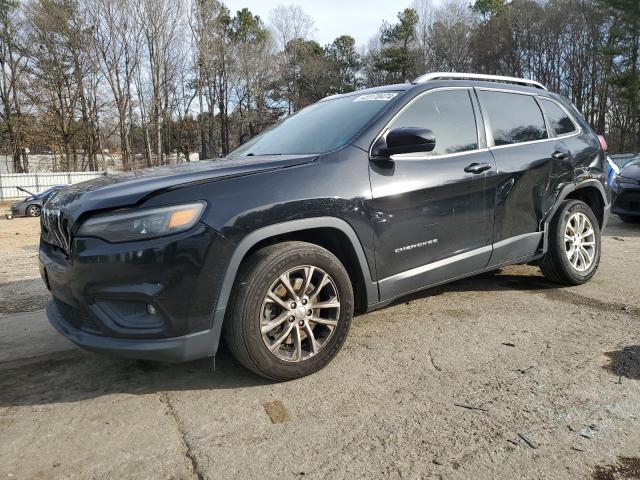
(252, 239)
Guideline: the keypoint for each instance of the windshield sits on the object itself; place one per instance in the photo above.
(319, 128)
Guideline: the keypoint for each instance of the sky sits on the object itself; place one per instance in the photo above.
(359, 18)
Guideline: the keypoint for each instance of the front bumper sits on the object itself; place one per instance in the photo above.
(626, 199)
(17, 210)
(177, 349)
(151, 299)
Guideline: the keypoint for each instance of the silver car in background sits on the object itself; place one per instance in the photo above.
(32, 205)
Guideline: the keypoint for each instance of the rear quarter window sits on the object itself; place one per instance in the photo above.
(514, 118)
(559, 121)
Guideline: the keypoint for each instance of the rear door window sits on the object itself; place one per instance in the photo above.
(449, 114)
(514, 118)
(559, 121)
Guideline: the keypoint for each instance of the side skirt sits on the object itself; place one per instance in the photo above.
(516, 261)
(519, 249)
(434, 273)
(515, 247)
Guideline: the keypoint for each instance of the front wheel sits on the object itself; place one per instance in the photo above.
(33, 210)
(573, 254)
(290, 310)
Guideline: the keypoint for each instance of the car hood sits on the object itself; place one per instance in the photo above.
(128, 188)
(632, 170)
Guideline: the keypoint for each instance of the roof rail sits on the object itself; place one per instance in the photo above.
(477, 76)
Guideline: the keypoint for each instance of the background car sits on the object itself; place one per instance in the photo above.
(32, 205)
(624, 179)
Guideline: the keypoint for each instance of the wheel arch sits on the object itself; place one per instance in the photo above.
(593, 197)
(331, 233)
(592, 192)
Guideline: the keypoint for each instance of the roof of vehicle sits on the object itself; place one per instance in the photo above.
(423, 84)
(398, 87)
(453, 78)
(478, 77)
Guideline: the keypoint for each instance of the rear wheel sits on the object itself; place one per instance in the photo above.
(33, 210)
(629, 219)
(573, 254)
(290, 310)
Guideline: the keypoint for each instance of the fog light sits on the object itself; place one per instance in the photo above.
(151, 310)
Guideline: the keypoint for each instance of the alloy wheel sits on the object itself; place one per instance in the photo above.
(299, 313)
(580, 242)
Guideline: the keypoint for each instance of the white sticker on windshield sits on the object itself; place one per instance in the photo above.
(376, 97)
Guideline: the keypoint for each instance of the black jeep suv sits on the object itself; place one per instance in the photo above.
(340, 208)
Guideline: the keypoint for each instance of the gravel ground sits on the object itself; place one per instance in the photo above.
(498, 376)
(21, 289)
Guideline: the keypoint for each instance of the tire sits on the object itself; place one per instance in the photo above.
(556, 265)
(33, 211)
(250, 311)
(629, 219)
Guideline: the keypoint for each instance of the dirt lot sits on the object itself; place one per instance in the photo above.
(20, 285)
(499, 376)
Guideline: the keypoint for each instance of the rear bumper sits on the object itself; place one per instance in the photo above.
(177, 349)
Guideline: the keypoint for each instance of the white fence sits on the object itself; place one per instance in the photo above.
(38, 182)
(46, 163)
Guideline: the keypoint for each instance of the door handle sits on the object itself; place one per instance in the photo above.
(477, 167)
(560, 155)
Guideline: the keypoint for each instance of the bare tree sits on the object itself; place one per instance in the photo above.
(426, 13)
(161, 23)
(451, 36)
(56, 71)
(79, 76)
(116, 46)
(290, 22)
(13, 64)
(211, 26)
(255, 67)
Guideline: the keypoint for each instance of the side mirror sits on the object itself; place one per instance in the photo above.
(405, 140)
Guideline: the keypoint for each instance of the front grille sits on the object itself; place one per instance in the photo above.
(55, 229)
(78, 318)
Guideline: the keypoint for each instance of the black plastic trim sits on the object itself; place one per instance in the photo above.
(176, 349)
(289, 227)
(572, 187)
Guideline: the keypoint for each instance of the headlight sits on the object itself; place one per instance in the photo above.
(142, 224)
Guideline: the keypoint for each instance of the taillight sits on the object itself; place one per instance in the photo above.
(603, 143)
